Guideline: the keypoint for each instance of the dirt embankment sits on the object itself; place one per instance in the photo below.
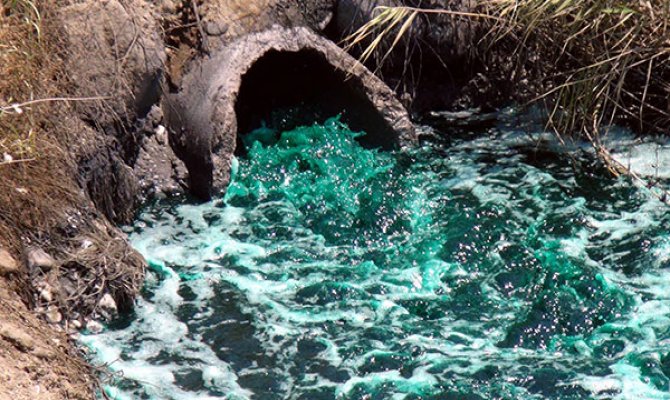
(73, 83)
(80, 143)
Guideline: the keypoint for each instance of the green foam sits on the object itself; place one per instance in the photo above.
(460, 270)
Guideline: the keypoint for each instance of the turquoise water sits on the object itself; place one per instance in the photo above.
(472, 267)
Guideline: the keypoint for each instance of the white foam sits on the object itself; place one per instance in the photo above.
(651, 160)
(219, 378)
(266, 290)
(115, 394)
(601, 385)
(633, 385)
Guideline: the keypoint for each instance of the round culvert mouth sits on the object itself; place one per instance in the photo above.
(262, 78)
(283, 90)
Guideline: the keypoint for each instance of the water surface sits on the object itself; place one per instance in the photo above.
(468, 268)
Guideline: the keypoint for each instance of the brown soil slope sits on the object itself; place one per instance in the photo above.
(61, 178)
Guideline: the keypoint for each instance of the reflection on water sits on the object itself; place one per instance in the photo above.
(467, 269)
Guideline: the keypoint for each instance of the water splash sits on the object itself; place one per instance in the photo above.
(471, 269)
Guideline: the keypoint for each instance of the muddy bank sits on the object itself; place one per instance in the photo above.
(77, 80)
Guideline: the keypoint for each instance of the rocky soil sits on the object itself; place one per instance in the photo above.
(37, 361)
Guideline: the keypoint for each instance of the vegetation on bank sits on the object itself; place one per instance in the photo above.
(34, 183)
(592, 62)
(21, 59)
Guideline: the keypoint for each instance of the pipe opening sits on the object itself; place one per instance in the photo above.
(283, 90)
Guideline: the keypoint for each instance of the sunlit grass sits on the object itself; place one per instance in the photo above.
(613, 57)
(616, 55)
(28, 10)
(22, 63)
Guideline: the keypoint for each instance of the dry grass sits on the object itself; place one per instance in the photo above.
(104, 263)
(615, 58)
(40, 201)
(597, 62)
(33, 179)
(35, 188)
(372, 38)
(21, 56)
(379, 28)
(591, 63)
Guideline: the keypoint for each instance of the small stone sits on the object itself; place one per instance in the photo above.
(75, 324)
(108, 306)
(53, 315)
(215, 28)
(160, 130)
(94, 327)
(8, 264)
(38, 258)
(67, 286)
(86, 243)
(167, 7)
(43, 353)
(17, 337)
(45, 294)
(161, 136)
(7, 157)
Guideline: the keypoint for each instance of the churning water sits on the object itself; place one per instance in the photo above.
(468, 268)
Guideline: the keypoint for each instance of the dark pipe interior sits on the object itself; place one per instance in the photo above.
(284, 90)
